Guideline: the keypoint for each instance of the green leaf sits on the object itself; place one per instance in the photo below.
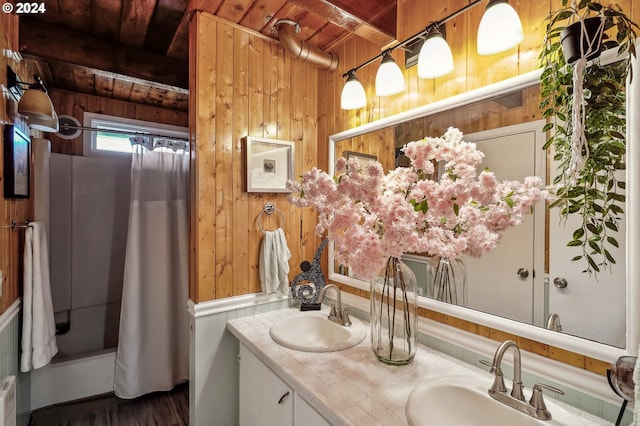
(578, 233)
(611, 225)
(574, 243)
(592, 264)
(613, 242)
(608, 256)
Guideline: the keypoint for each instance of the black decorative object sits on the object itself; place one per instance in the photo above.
(306, 286)
(577, 44)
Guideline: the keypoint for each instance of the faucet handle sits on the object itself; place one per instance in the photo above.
(346, 321)
(537, 401)
(333, 313)
(485, 362)
(498, 381)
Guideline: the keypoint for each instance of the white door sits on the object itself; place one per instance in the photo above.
(584, 305)
(508, 281)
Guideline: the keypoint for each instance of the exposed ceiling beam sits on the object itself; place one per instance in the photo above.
(53, 43)
(344, 19)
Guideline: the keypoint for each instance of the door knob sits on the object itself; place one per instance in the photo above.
(560, 282)
(523, 273)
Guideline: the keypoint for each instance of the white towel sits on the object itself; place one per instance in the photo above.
(274, 262)
(38, 324)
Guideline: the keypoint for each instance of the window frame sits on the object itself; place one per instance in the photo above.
(95, 120)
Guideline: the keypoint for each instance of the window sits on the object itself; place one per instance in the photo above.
(112, 138)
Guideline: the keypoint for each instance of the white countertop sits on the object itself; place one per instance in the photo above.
(351, 387)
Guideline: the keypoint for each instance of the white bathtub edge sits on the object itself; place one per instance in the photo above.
(71, 380)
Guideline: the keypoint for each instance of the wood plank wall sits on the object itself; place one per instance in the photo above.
(242, 83)
(17, 210)
(76, 104)
(471, 71)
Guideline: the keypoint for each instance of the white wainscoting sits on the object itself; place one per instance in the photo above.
(10, 360)
(213, 364)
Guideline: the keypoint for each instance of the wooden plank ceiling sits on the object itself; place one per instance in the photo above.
(136, 50)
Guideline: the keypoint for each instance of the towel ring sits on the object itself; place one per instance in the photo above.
(269, 209)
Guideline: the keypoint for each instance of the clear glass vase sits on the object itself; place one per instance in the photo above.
(393, 313)
(447, 280)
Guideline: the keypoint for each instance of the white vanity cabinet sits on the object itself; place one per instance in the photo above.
(305, 415)
(265, 399)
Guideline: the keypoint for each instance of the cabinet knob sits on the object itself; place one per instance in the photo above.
(283, 397)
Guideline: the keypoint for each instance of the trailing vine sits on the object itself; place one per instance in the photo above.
(597, 192)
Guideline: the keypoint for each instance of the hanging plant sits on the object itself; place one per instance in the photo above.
(585, 105)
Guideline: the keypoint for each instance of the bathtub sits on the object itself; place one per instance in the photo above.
(71, 378)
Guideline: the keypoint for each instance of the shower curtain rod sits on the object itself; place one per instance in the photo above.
(122, 132)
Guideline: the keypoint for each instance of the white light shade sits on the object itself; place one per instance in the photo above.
(48, 124)
(389, 79)
(500, 28)
(435, 59)
(353, 95)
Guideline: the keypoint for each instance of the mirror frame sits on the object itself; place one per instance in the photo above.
(564, 341)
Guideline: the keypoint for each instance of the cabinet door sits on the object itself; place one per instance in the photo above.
(264, 398)
(305, 415)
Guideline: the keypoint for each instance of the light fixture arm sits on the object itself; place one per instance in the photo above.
(421, 34)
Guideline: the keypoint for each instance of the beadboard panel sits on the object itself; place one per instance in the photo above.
(10, 360)
(214, 374)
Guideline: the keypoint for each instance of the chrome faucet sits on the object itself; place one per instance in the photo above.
(498, 383)
(337, 314)
(535, 407)
(553, 322)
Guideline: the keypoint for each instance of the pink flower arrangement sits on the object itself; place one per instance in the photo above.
(372, 216)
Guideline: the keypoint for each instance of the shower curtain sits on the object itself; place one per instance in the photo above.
(153, 347)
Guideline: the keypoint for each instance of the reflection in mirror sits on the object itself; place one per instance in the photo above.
(516, 280)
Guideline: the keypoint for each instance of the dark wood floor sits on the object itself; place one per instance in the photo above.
(155, 409)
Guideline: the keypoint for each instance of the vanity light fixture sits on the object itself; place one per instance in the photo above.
(33, 102)
(353, 95)
(500, 28)
(435, 57)
(389, 79)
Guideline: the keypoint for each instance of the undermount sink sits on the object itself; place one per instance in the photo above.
(312, 332)
(464, 400)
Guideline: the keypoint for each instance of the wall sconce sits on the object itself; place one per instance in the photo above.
(499, 14)
(33, 102)
(389, 78)
(435, 57)
(353, 95)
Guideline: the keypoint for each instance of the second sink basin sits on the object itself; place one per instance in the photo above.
(464, 400)
(313, 332)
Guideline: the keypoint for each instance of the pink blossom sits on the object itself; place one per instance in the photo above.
(371, 216)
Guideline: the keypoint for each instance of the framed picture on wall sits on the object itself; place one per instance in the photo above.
(268, 164)
(362, 158)
(16, 163)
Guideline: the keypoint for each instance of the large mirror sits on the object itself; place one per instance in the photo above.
(528, 285)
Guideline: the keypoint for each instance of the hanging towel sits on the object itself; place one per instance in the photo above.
(38, 323)
(274, 262)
